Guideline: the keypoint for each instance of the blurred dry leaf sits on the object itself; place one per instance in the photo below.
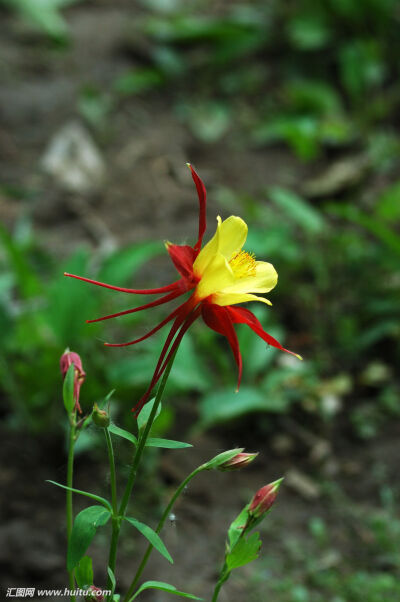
(73, 160)
(321, 450)
(328, 560)
(302, 484)
(282, 444)
(337, 177)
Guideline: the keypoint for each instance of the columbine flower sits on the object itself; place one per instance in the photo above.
(220, 275)
(68, 358)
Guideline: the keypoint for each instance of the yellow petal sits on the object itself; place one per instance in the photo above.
(232, 236)
(234, 298)
(263, 281)
(208, 252)
(217, 274)
(228, 239)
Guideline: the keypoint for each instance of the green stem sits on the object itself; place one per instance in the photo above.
(225, 573)
(158, 529)
(224, 576)
(142, 440)
(114, 504)
(135, 464)
(113, 478)
(70, 478)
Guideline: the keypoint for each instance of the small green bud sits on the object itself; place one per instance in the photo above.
(100, 417)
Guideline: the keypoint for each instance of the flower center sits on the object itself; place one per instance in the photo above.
(243, 264)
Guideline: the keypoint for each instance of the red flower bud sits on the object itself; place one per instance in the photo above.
(68, 358)
(263, 499)
(95, 593)
(239, 461)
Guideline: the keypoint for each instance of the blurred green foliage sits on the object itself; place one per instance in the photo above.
(304, 69)
(357, 560)
(44, 15)
(297, 73)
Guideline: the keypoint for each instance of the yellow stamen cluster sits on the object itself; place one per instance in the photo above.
(243, 264)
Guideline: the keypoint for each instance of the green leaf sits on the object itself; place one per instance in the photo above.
(377, 227)
(138, 80)
(308, 31)
(99, 499)
(83, 531)
(70, 301)
(84, 572)
(223, 405)
(145, 414)
(245, 551)
(388, 206)
(6, 285)
(189, 372)
(313, 96)
(301, 132)
(236, 527)
(44, 14)
(116, 430)
(68, 389)
(298, 210)
(361, 67)
(108, 397)
(27, 282)
(112, 579)
(152, 537)
(166, 443)
(165, 587)
(208, 120)
(132, 371)
(94, 106)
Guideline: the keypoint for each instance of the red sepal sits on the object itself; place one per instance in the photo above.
(178, 285)
(218, 318)
(184, 319)
(240, 315)
(183, 257)
(171, 316)
(159, 301)
(202, 194)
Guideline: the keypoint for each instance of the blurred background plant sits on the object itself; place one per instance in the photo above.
(289, 110)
